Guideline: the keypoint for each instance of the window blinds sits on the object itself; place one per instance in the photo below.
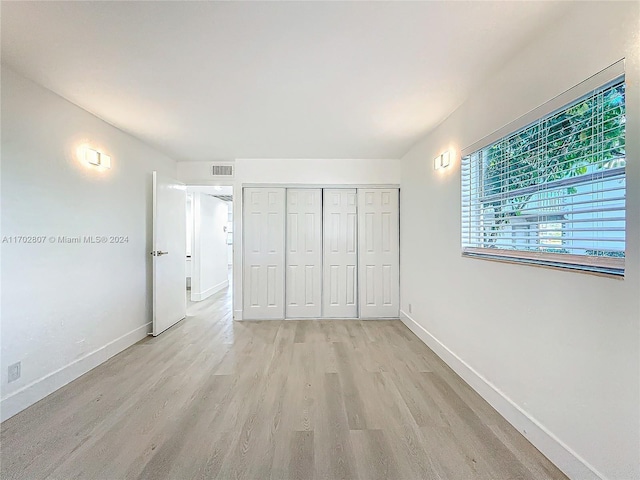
(553, 192)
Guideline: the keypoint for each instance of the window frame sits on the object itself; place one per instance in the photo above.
(599, 265)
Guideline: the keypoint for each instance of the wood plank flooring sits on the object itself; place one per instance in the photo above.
(212, 398)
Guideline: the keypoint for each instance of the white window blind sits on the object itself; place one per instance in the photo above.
(553, 192)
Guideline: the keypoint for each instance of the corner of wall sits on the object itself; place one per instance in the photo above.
(36, 391)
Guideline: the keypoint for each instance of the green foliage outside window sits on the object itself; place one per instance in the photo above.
(582, 139)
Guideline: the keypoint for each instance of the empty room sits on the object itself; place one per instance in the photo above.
(320, 240)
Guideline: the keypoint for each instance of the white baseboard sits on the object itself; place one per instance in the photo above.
(377, 319)
(552, 447)
(237, 315)
(197, 296)
(37, 390)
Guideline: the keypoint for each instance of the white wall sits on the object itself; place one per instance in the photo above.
(320, 172)
(305, 171)
(209, 260)
(556, 352)
(68, 307)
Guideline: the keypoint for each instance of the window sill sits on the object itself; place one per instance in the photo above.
(602, 267)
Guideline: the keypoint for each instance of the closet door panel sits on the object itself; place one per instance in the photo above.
(264, 253)
(340, 281)
(379, 253)
(304, 253)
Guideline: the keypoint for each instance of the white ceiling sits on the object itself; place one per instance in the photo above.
(224, 80)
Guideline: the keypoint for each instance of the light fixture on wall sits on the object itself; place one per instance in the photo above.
(442, 160)
(97, 158)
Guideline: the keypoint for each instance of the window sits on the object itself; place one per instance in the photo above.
(553, 192)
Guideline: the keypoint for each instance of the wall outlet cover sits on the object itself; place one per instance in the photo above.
(14, 371)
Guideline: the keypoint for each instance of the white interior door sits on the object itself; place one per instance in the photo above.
(379, 252)
(169, 252)
(263, 240)
(304, 253)
(340, 299)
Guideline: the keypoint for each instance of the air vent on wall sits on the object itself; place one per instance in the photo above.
(222, 171)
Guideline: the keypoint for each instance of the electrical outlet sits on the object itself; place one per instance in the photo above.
(14, 371)
(82, 345)
(410, 309)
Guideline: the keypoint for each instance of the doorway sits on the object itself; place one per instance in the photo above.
(209, 259)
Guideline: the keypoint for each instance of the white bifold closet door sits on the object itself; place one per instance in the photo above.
(303, 294)
(264, 255)
(340, 275)
(379, 252)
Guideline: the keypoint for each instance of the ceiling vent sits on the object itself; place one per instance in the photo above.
(222, 171)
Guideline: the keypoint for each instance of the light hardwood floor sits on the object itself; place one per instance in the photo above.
(213, 398)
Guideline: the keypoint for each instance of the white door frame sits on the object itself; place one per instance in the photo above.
(238, 247)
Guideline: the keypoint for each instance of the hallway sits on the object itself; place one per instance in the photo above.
(213, 398)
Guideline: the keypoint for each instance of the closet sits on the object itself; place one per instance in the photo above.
(263, 271)
(378, 260)
(340, 272)
(320, 253)
(303, 275)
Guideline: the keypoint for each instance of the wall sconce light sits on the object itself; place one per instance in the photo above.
(442, 161)
(97, 158)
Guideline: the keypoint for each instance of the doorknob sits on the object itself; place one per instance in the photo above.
(159, 253)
